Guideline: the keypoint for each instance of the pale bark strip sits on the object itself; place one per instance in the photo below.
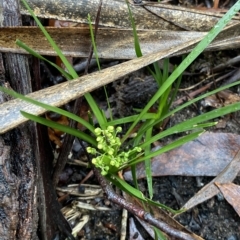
(75, 42)
(60, 94)
(113, 13)
(111, 43)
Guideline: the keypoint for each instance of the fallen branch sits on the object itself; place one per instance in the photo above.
(137, 211)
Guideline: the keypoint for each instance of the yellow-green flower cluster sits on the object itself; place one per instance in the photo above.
(108, 158)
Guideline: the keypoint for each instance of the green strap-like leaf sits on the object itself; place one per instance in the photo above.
(49, 108)
(187, 61)
(169, 147)
(83, 136)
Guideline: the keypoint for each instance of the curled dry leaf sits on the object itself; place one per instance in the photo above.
(76, 41)
(111, 43)
(221, 99)
(227, 175)
(231, 192)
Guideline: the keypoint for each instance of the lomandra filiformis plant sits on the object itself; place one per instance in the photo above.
(108, 154)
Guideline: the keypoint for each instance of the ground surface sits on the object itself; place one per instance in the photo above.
(213, 219)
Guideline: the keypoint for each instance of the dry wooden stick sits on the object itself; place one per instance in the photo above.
(137, 211)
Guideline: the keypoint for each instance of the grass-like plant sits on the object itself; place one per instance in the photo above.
(163, 103)
(105, 144)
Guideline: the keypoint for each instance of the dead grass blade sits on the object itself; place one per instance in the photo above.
(231, 193)
(111, 43)
(227, 175)
(61, 94)
(76, 42)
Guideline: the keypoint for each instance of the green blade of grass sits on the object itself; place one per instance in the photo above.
(158, 235)
(121, 184)
(176, 129)
(157, 204)
(165, 69)
(72, 72)
(93, 41)
(52, 43)
(207, 116)
(49, 108)
(134, 176)
(158, 76)
(169, 147)
(186, 105)
(175, 90)
(136, 40)
(187, 61)
(35, 54)
(148, 170)
(63, 128)
(192, 123)
(131, 119)
(163, 103)
(96, 110)
(102, 122)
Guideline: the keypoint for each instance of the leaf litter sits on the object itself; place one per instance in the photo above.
(231, 193)
(207, 155)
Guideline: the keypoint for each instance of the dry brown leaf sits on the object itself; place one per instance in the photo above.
(111, 43)
(231, 193)
(221, 99)
(55, 134)
(207, 155)
(76, 42)
(210, 190)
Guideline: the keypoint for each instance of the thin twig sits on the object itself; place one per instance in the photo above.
(67, 145)
(137, 211)
(200, 90)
